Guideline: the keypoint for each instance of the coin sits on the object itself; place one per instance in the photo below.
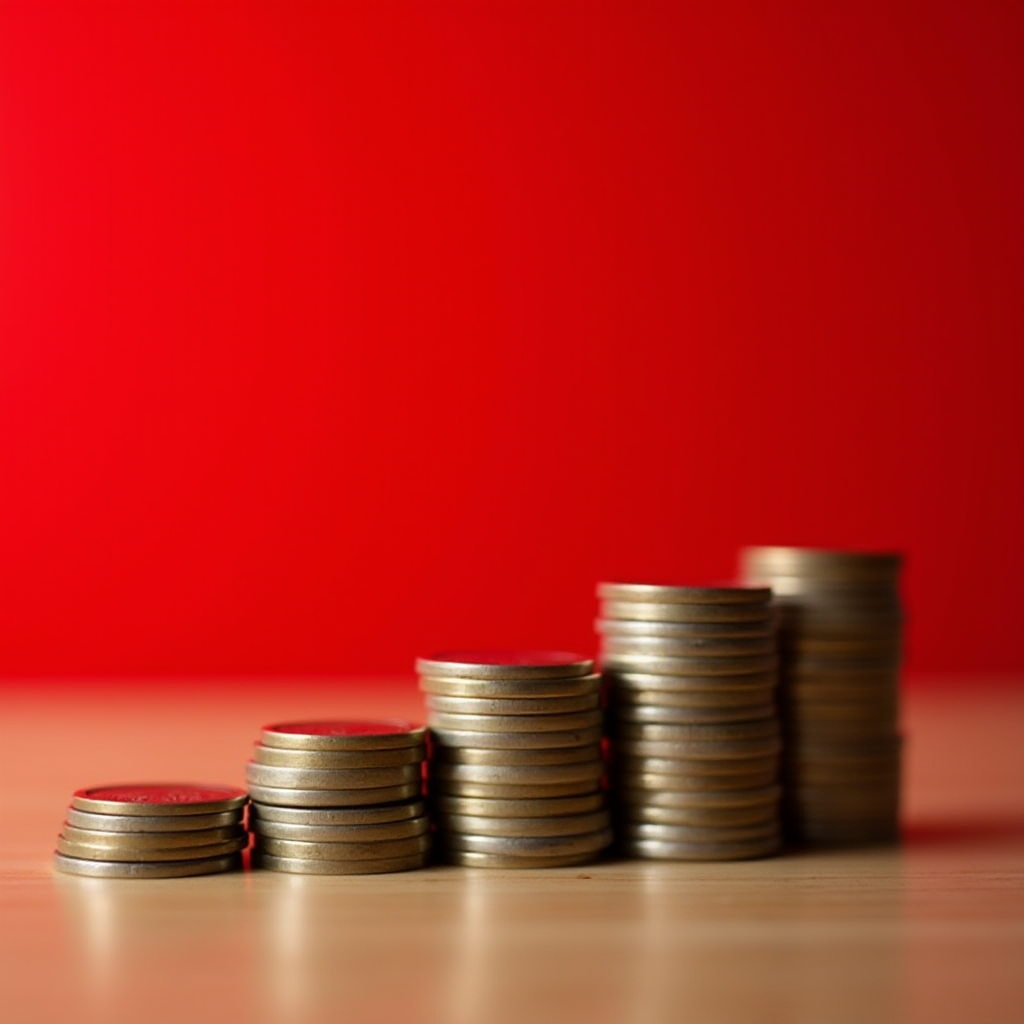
(304, 866)
(342, 817)
(343, 833)
(165, 869)
(331, 778)
(528, 846)
(511, 689)
(489, 807)
(158, 798)
(667, 714)
(339, 735)
(741, 751)
(518, 758)
(442, 720)
(690, 647)
(693, 760)
(519, 775)
(518, 706)
(820, 563)
(655, 593)
(511, 791)
(698, 833)
(472, 859)
(334, 797)
(716, 689)
(656, 849)
(446, 737)
(106, 852)
(665, 612)
(753, 814)
(151, 822)
(567, 825)
(279, 757)
(728, 733)
(711, 631)
(382, 849)
(505, 664)
(657, 664)
(663, 773)
(692, 799)
(151, 840)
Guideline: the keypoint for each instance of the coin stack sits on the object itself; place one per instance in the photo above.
(516, 770)
(694, 731)
(339, 798)
(155, 830)
(841, 641)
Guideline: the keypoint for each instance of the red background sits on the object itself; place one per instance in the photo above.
(332, 333)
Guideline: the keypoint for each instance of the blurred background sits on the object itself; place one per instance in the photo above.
(334, 333)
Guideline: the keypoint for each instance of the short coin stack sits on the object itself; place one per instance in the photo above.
(516, 770)
(840, 631)
(339, 798)
(153, 830)
(693, 726)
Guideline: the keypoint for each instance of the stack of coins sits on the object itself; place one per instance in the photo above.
(841, 640)
(694, 731)
(516, 773)
(339, 798)
(152, 830)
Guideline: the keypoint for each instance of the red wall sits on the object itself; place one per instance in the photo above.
(333, 332)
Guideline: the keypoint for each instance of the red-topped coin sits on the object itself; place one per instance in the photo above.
(138, 798)
(505, 664)
(343, 734)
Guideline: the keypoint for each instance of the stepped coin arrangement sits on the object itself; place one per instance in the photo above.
(693, 725)
(516, 773)
(339, 798)
(153, 830)
(841, 642)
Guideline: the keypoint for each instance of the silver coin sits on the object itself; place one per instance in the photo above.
(667, 714)
(528, 846)
(514, 689)
(720, 689)
(772, 560)
(446, 737)
(441, 720)
(361, 760)
(490, 807)
(502, 706)
(569, 825)
(658, 594)
(334, 797)
(304, 866)
(341, 817)
(504, 665)
(755, 814)
(343, 833)
(142, 841)
(683, 630)
(640, 611)
(339, 735)
(658, 664)
(331, 778)
(106, 852)
(382, 849)
(699, 833)
(663, 774)
(702, 750)
(730, 732)
(151, 822)
(511, 791)
(654, 849)
(518, 758)
(689, 647)
(165, 869)
(694, 764)
(472, 859)
(519, 775)
(721, 798)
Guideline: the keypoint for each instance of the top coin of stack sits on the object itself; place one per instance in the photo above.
(152, 830)
(841, 625)
(339, 798)
(694, 731)
(516, 769)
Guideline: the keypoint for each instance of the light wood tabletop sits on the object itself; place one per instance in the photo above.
(929, 932)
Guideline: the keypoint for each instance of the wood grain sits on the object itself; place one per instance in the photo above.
(931, 932)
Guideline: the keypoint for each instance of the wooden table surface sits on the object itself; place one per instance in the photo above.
(930, 932)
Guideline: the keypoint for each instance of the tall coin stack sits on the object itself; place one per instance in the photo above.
(516, 768)
(841, 640)
(339, 798)
(694, 731)
(153, 830)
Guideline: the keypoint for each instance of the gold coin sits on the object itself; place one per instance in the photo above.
(343, 833)
(663, 773)
(668, 798)
(641, 611)
(694, 763)
(518, 758)
(340, 817)
(505, 665)
(575, 824)
(727, 733)
(512, 791)
(774, 560)
(440, 720)
(753, 814)
(518, 775)
(718, 689)
(657, 664)
(699, 833)
(654, 849)
(690, 647)
(490, 807)
(343, 734)
(711, 631)
(472, 859)
(504, 706)
(528, 846)
(141, 841)
(146, 823)
(667, 714)
(446, 737)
